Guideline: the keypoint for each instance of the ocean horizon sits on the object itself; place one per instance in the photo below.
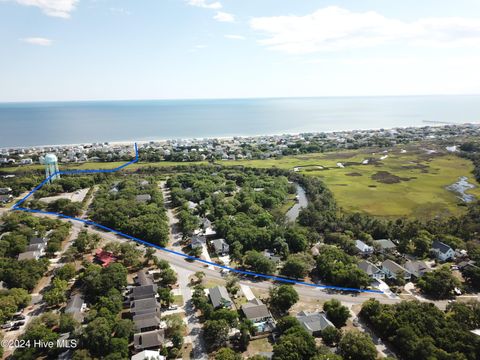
(78, 122)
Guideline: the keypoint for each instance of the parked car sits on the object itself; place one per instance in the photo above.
(7, 325)
(19, 317)
(13, 328)
(19, 323)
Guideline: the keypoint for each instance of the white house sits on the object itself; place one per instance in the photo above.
(442, 251)
(363, 248)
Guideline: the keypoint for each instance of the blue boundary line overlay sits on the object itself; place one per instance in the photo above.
(18, 207)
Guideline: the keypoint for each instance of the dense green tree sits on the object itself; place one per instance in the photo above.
(438, 284)
(357, 346)
(331, 336)
(337, 313)
(283, 297)
(66, 272)
(215, 333)
(227, 354)
(257, 262)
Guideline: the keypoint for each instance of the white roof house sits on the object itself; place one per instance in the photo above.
(363, 248)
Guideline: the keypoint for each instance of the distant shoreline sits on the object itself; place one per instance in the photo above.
(229, 137)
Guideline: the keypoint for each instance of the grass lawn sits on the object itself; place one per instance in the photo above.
(258, 346)
(98, 165)
(414, 183)
(178, 300)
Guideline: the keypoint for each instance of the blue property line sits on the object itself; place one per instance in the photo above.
(143, 242)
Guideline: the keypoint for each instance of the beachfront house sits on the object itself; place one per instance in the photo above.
(257, 312)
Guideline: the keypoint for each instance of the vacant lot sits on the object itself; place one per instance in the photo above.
(408, 181)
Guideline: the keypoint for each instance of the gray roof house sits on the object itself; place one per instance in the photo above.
(363, 248)
(219, 297)
(221, 247)
(392, 270)
(144, 306)
(417, 268)
(149, 340)
(29, 255)
(146, 323)
(442, 251)
(143, 279)
(144, 292)
(198, 241)
(256, 311)
(37, 240)
(371, 270)
(75, 307)
(37, 247)
(386, 245)
(314, 323)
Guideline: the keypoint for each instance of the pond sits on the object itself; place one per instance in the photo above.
(461, 187)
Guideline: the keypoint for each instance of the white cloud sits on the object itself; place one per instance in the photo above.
(38, 41)
(235, 37)
(204, 4)
(334, 28)
(57, 8)
(224, 17)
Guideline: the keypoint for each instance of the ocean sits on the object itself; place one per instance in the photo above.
(52, 123)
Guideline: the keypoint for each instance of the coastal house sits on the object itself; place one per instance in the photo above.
(29, 255)
(314, 323)
(372, 271)
(442, 251)
(257, 312)
(219, 297)
(150, 340)
(145, 306)
(148, 354)
(417, 268)
(385, 246)
(75, 307)
(146, 322)
(5, 190)
(363, 248)
(5, 198)
(198, 241)
(104, 258)
(143, 292)
(220, 246)
(393, 270)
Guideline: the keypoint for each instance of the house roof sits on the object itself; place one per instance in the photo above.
(149, 339)
(143, 279)
(368, 267)
(360, 245)
(393, 267)
(440, 246)
(386, 244)
(37, 240)
(36, 247)
(313, 321)
(148, 354)
(28, 255)
(105, 257)
(144, 291)
(417, 267)
(219, 296)
(145, 304)
(220, 245)
(146, 322)
(74, 304)
(255, 309)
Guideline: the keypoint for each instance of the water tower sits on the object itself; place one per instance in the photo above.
(51, 167)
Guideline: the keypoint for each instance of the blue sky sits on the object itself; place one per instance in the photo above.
(167, 49)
